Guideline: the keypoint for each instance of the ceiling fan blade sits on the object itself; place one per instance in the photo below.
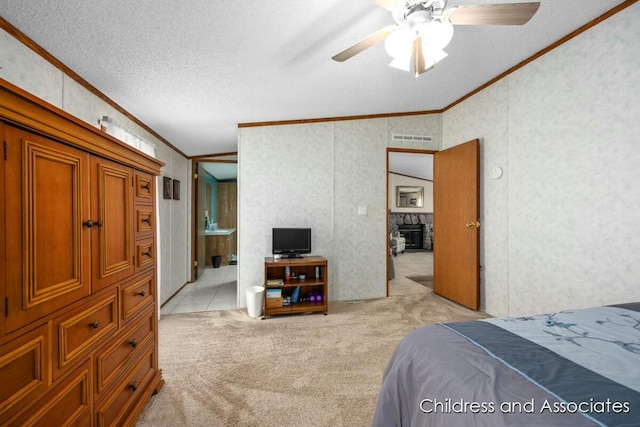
(373, 39)
(419, 63)
(492, 14)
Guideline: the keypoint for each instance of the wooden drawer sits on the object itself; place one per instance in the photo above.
(145, 253)
(77, 332)
(113, 359)
(24, 370)
(136, 295)
(145, 185)
(145, 220)
(114, 409)
(67, 404)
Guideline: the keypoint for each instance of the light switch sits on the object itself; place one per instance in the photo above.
(362, 210)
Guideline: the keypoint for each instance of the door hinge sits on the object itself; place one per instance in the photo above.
(6, 151)
(6, 307)
(195, 176)
(195, 263)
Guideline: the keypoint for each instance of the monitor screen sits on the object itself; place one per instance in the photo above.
(291, 241)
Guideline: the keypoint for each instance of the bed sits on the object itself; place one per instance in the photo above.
(571, 368)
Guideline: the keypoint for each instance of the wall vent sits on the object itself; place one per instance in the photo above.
(419, 138)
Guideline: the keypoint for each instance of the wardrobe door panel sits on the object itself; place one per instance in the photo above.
(113, 238)
(2, 227)
(48, 247)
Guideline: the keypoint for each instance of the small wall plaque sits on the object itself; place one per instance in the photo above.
(166, 187)
(176, 189)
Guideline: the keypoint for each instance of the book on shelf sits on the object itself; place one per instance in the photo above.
(275, 282)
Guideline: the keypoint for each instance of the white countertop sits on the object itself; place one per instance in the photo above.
(220, 232)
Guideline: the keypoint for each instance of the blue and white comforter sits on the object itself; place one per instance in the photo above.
(572, 368)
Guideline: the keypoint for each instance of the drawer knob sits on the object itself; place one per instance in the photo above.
(146, 220)
(145, 186)
(141, 293)
(147, 254)
(94, 325)
(88, 224)
(134, 386)
(133, 343)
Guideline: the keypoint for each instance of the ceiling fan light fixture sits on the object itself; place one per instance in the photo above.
(435, 37)
(436, 34)
(425, 27)
(399, 44)
(432, 57)
(403, 64)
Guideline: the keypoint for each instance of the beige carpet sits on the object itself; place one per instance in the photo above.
(423, 280)
(223, 368)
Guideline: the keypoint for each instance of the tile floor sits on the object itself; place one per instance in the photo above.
(215, 289)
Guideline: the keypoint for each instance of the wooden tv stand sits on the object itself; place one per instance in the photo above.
(311, 285)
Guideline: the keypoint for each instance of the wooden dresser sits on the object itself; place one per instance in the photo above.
(78, 335)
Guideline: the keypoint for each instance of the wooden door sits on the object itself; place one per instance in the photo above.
(48, 250)
(111, 212)
(2, 224)
(227, 205)
(199, 206)
(228, 209)
(456, 210)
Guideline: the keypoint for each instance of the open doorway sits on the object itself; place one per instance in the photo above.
(214, 274)
(409, 219)
(216, 208)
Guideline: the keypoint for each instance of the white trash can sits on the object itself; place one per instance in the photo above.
(255, 295)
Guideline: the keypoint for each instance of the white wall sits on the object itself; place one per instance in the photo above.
(317, 175)
(559, 229)
(29, 71)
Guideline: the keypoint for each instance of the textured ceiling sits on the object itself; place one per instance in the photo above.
(192, 71)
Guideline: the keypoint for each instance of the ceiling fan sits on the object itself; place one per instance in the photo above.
(424, 28)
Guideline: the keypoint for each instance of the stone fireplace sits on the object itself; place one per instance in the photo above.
(413, 235)
(417, 229)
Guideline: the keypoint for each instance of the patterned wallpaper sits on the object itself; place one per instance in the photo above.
(29, 71)
(558, 228)
(485, 116)
(281, 184)
(317, 175)
(359, 250)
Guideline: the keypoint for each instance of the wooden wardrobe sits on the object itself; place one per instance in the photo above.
(79, 329)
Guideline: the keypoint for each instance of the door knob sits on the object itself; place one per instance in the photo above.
(475, 224)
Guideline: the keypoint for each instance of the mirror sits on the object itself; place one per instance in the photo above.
(409, 197)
